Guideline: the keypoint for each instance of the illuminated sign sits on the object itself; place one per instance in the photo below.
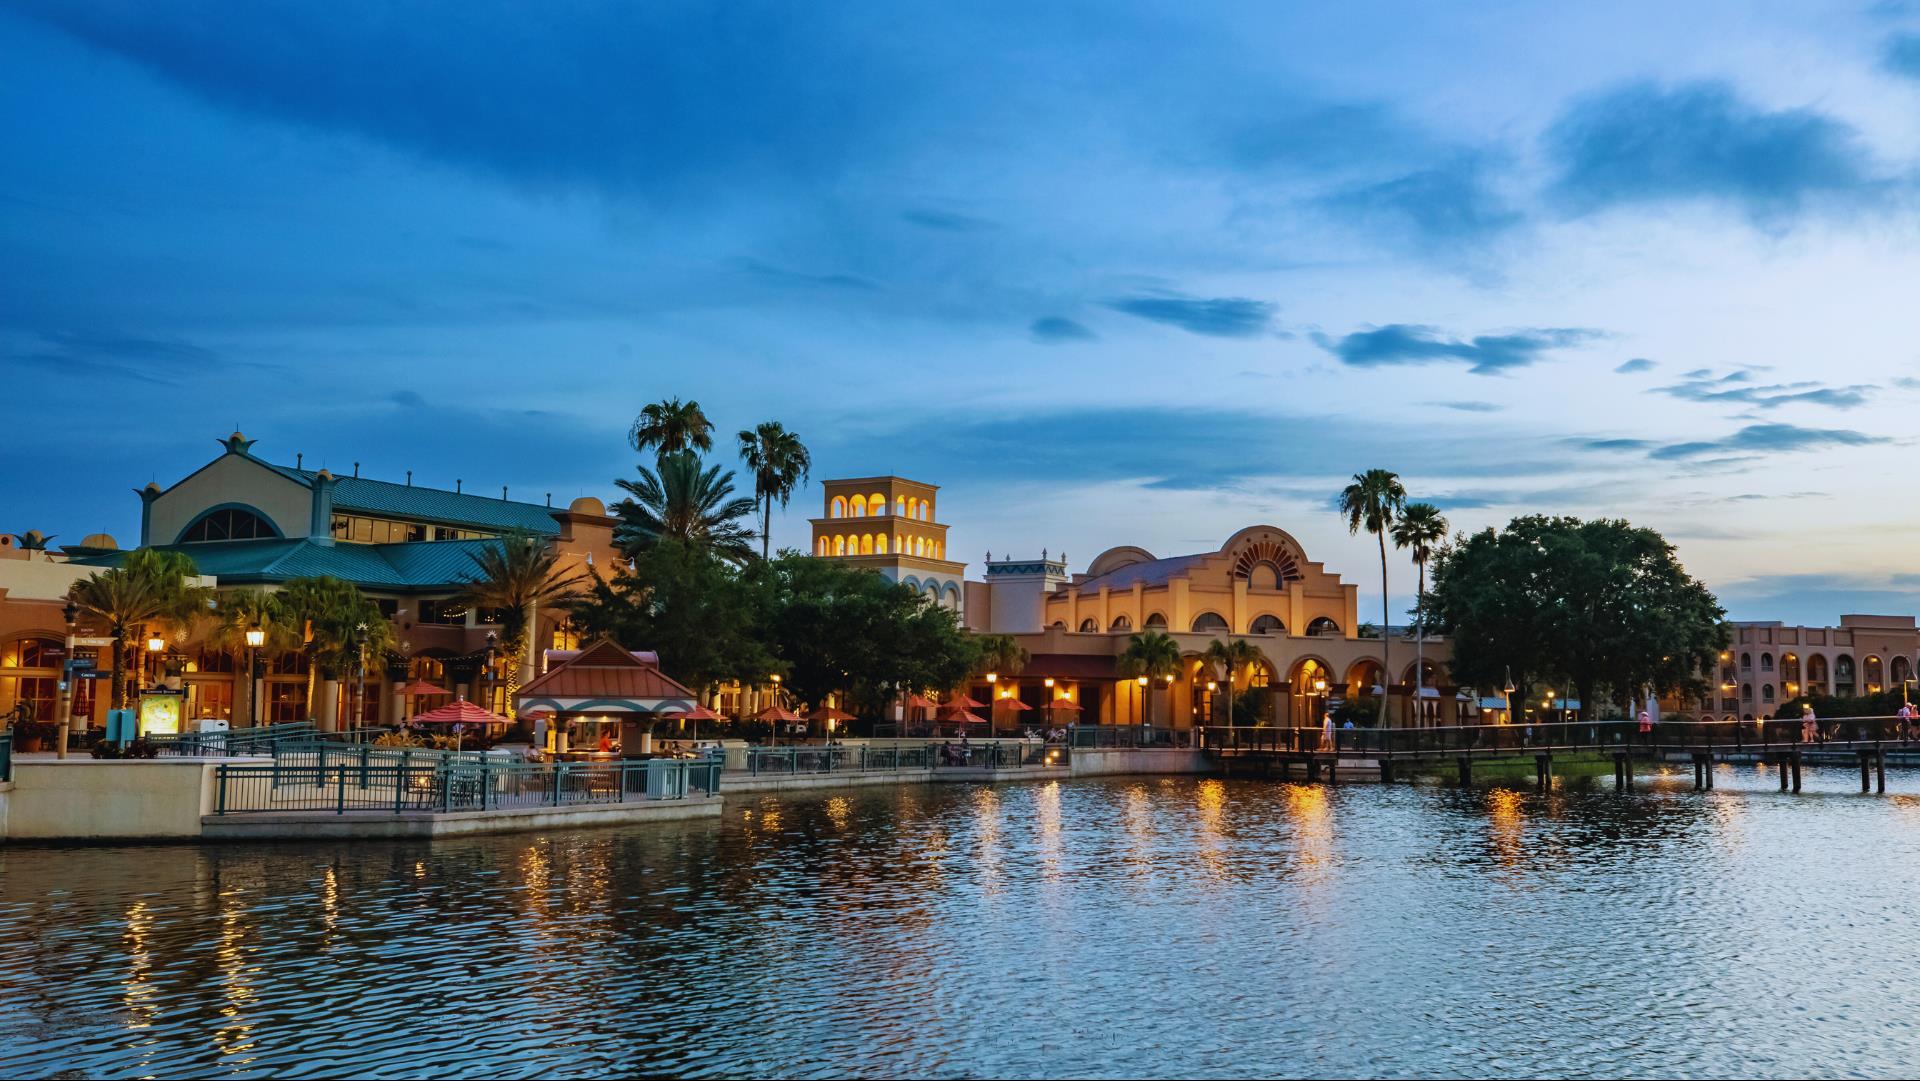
(160, 714)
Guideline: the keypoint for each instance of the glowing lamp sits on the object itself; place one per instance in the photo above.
(155, 643)
(256, 637)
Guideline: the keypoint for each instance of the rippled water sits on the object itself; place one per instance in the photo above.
(1124, 928)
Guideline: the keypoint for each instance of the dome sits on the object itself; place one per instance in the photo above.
(587, 504)
(100, 540)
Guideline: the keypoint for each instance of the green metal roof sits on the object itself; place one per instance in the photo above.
(433, 504)
(419, 566)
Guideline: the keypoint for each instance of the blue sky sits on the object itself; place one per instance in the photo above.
(1109, 273)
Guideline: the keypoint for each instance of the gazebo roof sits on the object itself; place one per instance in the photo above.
(603, 678)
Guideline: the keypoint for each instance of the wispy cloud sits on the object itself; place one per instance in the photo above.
(1645, 143)
(1469, 406)
(1058, 330)
(1767, 438)
(1901, 55)
(1637, 364)
(1218, 317)
(1487, 354)
(1735, 388)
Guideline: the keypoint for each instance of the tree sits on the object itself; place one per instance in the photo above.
(683, 602)
(686, 503)
(1373, 501)
(779, 464)
(1232, 657)
(1421, 529)
(335, 622)
(516, 577)
(999, 653)
(151, 587)
(1153, 654)
(671, 427)
(238, 612)
(1600, 605)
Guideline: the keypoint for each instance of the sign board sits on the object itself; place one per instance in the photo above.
(80, 664)
(97, 643)
(160, 714)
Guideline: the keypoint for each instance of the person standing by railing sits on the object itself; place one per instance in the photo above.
(1646, 727)
(1906, 720)
(1809, 724)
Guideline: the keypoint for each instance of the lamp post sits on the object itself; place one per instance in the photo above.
(256, 637)
(775, 725)
(493, 643)
(72, 614)
(155, 643)
(993, 681)
(1510, 689)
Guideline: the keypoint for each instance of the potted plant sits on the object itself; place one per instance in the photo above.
(30, 736)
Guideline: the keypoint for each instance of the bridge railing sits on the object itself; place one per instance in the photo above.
(1102, 736)
(1002, 754)
(449, 786)
(1524, 736)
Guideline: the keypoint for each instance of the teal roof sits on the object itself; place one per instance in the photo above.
(432, 504)
(416, 566)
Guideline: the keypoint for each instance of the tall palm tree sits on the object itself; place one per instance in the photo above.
(1420, 530)
(1234, 656)
(329, 613)
(516, 577)
(1373, 501)
(150, 588)
(670, 427)
(686, 503)
(240, 611)
(779, 464)
(1153, 654)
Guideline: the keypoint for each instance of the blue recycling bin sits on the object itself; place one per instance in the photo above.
(123, 726)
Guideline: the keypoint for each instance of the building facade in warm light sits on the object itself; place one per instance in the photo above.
(889, 525)
(1259, 587)
(1769, 663)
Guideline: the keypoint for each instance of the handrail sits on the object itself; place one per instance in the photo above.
(456, 786)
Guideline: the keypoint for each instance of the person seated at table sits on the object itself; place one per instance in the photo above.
(605, 746)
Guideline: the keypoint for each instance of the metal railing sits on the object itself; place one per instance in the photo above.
(1760, 736)
(1129, 736)
(6, 756)
(454, 786)
(1003, 754)
(237, 742)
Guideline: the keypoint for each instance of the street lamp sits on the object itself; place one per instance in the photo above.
(155, 643)
(1510, 689)
(775, 725)
(72, 614)
(493, 641)
(256, 637)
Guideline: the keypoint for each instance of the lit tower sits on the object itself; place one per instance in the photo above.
(888, 524)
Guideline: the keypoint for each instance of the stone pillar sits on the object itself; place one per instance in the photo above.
(329, 705)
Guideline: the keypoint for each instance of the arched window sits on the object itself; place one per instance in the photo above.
(1746, 692)
(1156, 621)
(1089, 626)
(838, 508)
(1209, 623)
(1902, 670)
(926, 508)
(859, 506)
(1268, 625)
(1323, 628)
(31, 653)
(1766, 692)
(1746, 662)
(1121, 623)
(876, 504)
(1766, 662)
(900, 505)
(913, 507)
(839, 546)
(1874, 674)
(866, 544)
(880, 545)
(820, 547)
(227, 524)
(1263, 575)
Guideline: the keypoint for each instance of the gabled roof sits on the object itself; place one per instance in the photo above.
(603, 678)
(432, 504)
(406, 567)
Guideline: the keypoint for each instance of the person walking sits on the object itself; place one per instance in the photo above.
(1906, 720)
(1809, 724)
(1646, 727)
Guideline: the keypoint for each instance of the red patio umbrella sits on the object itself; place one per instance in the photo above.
(915, 701)
(1061, 705)
(777, 714)
(697, 713)
(963, 701)
(421, 686)
(828, 713)
(1012, 703)
(459, 711)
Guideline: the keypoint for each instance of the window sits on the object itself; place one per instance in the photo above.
(1746, 662)
(1209, 623)
(1122, 623)
(443, 613)
(286, 702)
(1323, 627)
(1268, 625)
(31, 653)
(361, 530)
(1156, 621)
(1089, 626)
(228, 524)
(1766, 692)
(1766, 662)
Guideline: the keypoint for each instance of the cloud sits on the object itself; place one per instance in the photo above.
(1768, 438)
(1488, 354)
(105, 354)
(1901, 55)
(1440, 207)
(1701, 386)
(1637, 364)
(1647, 143)
(1611, 444)
(945, 221)
(1058, 330)
(1470, 407)
(1817, 599)
(1218, 317)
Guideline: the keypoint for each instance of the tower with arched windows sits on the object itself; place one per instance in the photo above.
(890, 525)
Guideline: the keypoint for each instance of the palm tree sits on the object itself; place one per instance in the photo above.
(670, 427)
(335, 621)
(998, 655)
(1421, 529)
(1233, 656)
(1153, 654)
(238, 612)
(150, 588)
(686, 503)
(779, 464)
(516, 577)
(1373, 501)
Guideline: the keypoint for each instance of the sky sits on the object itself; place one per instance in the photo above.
(1109, 273)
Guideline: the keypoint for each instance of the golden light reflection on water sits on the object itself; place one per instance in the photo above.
(137, 990)
(986, 826)
(233, 1035)
(1050, 840)
(1210, 806)
(1506, 819)
(839, 811)
(1311, 816)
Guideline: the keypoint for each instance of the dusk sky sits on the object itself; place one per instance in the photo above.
(1109, 274)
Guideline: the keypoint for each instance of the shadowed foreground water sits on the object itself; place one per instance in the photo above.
(1124, 928)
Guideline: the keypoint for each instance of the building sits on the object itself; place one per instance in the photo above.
(1258, 587)
(888, 524)
(1768, 663)
(251, 523)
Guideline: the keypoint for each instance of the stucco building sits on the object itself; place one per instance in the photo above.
(1768, 663)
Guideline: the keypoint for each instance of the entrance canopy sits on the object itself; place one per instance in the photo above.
(603, 678)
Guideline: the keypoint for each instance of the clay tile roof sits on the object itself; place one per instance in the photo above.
(605, 671)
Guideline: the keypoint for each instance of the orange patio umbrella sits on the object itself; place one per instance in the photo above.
(963, 701)
(697, 713)
(778, 714)
(459, 711)
(421, 686)
(828, 713)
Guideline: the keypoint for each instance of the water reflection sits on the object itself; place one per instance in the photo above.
(1133, 927)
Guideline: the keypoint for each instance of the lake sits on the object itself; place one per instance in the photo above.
(1176, 927)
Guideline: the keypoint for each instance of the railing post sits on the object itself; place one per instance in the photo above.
(446, 787)
(340, 790)
(559, 768)
(220, 776)
(400, 779)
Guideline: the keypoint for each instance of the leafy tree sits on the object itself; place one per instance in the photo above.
(1153, 654)
(1236, 656)
(1421, 530)
(1000, 653)
(152, 587)
(335, 622)
(685, 503)
(1373, 501)
(517, 576)
(671, 427)
(1600, 605)
(683, 602)
(240, 611)
(779, 464)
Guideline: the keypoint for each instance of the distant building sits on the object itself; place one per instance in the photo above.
(1768, 663)
(888, 524)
